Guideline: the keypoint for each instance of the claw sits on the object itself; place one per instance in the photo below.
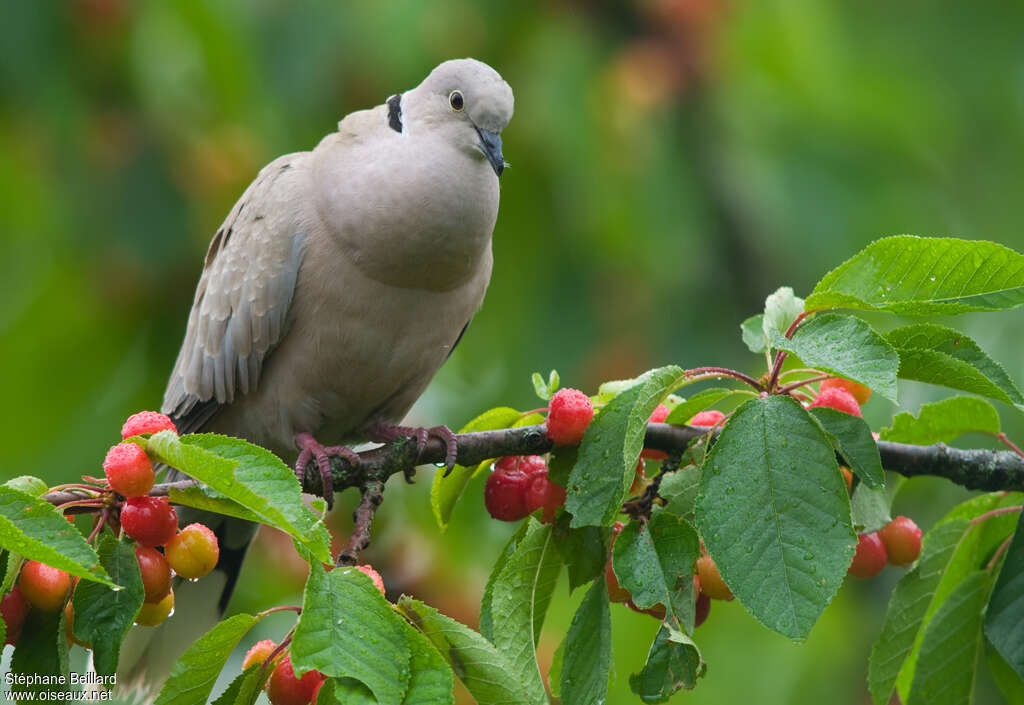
(382, 433)
(310, 449)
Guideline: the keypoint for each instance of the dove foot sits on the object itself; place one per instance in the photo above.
(310, 449)
(383, 433)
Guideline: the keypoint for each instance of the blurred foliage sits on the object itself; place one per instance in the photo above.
(674, 161)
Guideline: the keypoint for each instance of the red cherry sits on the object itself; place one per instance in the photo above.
(45, 587)
(146, 422)
(14, 607)
(616, 593)
(709, 417)
(129, 470)
(373, 575)
(711, 581)
(859, 391)
(838, 398)
(702, 607)
(870, 557)
(658, 611)
(569, 414)
(659, 415)
(156, 573)
(902, 539)
(149, 520)
(284, 688)
(505, 494)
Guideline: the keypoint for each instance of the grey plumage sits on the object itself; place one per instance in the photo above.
(343, 277)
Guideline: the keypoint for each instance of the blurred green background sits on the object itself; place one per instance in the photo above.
(673, 162)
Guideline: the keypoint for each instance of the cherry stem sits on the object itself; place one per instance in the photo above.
(999, 552)
(100, 523)
(280, 608)
(1010, 444)
(780, 356)
(698, 373)
(796, 385)
(277, 651)
(76, 486)
(994, 513)
(92, 503)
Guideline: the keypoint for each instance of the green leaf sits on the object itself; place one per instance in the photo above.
(1006, 678)
(445, 491)
(775, 515)
(521, 596)
(12, 564)
(853, 441)
(42, 651)
(29, 484)
(681, 415)
(845, 346)
(103, 616)
(245, 688)
(348, 630)
(555, 671)
(752, 330)
(672, 663)
(432, 681)
(1005, 612)
(942, 421)
(486, 618)
(252, 476)
(544, 389)
(951, 646)
(654, 562)
(345, 691)
(869, 509)
(953, 549)
(195, 673)
(924, 276)
(32, 528)
(946, 357)
(679, 489)
(485, 672)
(208, 499)
(584, 550)
(780, 310)
(587, 657)
(611, 447)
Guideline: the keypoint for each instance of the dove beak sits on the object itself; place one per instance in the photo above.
(490, 145)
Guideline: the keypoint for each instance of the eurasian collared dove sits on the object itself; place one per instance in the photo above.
(335, 289)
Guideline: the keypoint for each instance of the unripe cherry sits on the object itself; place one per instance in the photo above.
(259, 653)
(193, 552)
(711, 581)
(902, 539)
(155, 613)
(45, 587)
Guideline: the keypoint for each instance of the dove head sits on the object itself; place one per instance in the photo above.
(470, 102)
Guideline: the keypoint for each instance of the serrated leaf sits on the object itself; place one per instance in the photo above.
(486, 615)
(853, 441)
(252, 476)
(952, 549)
(942, 421)
(195, 672)
(869, 509)
(952, 644)
(103, 616)
(432, 681)
(611, 447)
(445, 491)
(752, 331)
(781, 308)
(245, 688)
(344, 691)
(1006, 608)
(341, 612)
(671, 665)
(775, 515)
(654, 562)
(679, 489)
(587, 656)
(555, 671)
(521, 596)
(32, 528)
(946, 357)
(42, 651)
(583, 550)
(924, 276)
(683, 412)
(845, 346)
(208, 499)
(485, 672)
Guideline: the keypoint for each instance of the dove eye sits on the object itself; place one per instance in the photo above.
(456, 100)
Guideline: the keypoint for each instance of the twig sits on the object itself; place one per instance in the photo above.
(705, 372)
(373, 495)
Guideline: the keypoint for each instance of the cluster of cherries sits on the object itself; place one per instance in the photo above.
(283, 687)
(190, 553)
